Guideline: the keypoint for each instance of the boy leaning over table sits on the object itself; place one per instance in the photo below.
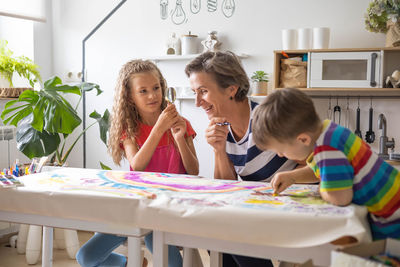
(349, 171)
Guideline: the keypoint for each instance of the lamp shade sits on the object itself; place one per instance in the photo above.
(24, 9)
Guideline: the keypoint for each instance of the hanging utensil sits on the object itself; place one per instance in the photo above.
(358, 131)
(337, 112)
(370, 135)
(329, 112)
(347, 115)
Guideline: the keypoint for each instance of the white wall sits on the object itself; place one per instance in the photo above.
(19, 34)
(136, 31)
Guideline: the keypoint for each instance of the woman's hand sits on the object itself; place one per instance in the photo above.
(168, 117)
(216, 134)
(179, 129)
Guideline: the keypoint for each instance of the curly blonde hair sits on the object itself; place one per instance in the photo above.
(125, 116)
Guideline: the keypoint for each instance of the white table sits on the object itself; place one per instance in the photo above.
(44, 206)
(223, 216)
(50, 222)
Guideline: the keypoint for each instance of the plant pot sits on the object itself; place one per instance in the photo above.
(260, 88)
(4, 83)
(393, 34)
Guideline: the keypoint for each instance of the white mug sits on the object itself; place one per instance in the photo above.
(304, 40)
(321, 38)
(289, 39)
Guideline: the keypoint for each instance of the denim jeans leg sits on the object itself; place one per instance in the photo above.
(174, 256)
(98, 251)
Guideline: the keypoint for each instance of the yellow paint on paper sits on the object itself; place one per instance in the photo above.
(260, 201)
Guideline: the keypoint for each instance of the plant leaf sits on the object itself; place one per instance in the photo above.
(103, 166)
(65, 89)
(52, 82)
(86, 87)
(56, 113)
(34, 143)
(103, 123)
(17, 116)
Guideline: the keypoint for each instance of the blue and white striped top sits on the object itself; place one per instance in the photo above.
(250, 163)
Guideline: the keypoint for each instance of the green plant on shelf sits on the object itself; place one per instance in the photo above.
(380, 13)
(21, 65)
(260, 76)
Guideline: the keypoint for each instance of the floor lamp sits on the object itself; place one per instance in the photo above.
(84, 73)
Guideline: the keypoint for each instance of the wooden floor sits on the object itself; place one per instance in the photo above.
(10, 258)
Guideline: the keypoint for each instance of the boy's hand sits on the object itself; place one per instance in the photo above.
(179, 129)
(168, 117)
(216, 133)
(281, 181)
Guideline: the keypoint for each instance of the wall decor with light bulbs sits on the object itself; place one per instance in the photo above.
(179, 15)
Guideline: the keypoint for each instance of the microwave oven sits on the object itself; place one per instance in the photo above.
(345, 69)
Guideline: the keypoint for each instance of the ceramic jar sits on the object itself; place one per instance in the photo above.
(189, 44)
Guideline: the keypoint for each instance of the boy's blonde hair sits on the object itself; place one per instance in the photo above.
(226, 69)
(125, 116)
(284, 115)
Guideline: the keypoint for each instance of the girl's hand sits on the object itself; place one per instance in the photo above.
(168, 117)
(281, 181)
(179, 129)
(216, 133)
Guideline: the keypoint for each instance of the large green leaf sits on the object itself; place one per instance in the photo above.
(103, 123)
(34, 143)
(54, 114)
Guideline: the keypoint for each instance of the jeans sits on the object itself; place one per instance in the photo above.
(98, 252)
(174, 257)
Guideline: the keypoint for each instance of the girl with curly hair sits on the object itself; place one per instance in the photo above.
(148, 132)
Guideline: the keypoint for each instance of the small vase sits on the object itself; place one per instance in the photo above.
(393, 34)
(4, 83)
(260, 88)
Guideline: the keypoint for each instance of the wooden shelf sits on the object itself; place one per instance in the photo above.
(183, 57)
(391, 55)
(352, 91)
(185, 98)
(8, 98)
(305, 51)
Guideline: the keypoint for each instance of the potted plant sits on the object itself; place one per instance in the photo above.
(260, 79)
(44, 119)
(21, 65)
(383, 16)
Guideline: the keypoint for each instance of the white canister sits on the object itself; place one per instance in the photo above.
(321, 38)
(289, 39)
(304, 38)
(189, 44)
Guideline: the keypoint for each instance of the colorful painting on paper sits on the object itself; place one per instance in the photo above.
(189, 190)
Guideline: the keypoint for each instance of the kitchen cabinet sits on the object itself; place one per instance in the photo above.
(369, 81)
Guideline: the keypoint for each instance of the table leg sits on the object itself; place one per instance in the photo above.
(134, 251)
(187, 257)
(47, 255)
(71, 242)
(59, 239)
(33, 243)
(22, 237)
(160, 250)
(215, 259)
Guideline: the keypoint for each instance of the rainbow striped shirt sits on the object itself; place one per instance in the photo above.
(342, 160)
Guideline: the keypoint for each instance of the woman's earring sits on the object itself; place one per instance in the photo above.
(230, 97)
